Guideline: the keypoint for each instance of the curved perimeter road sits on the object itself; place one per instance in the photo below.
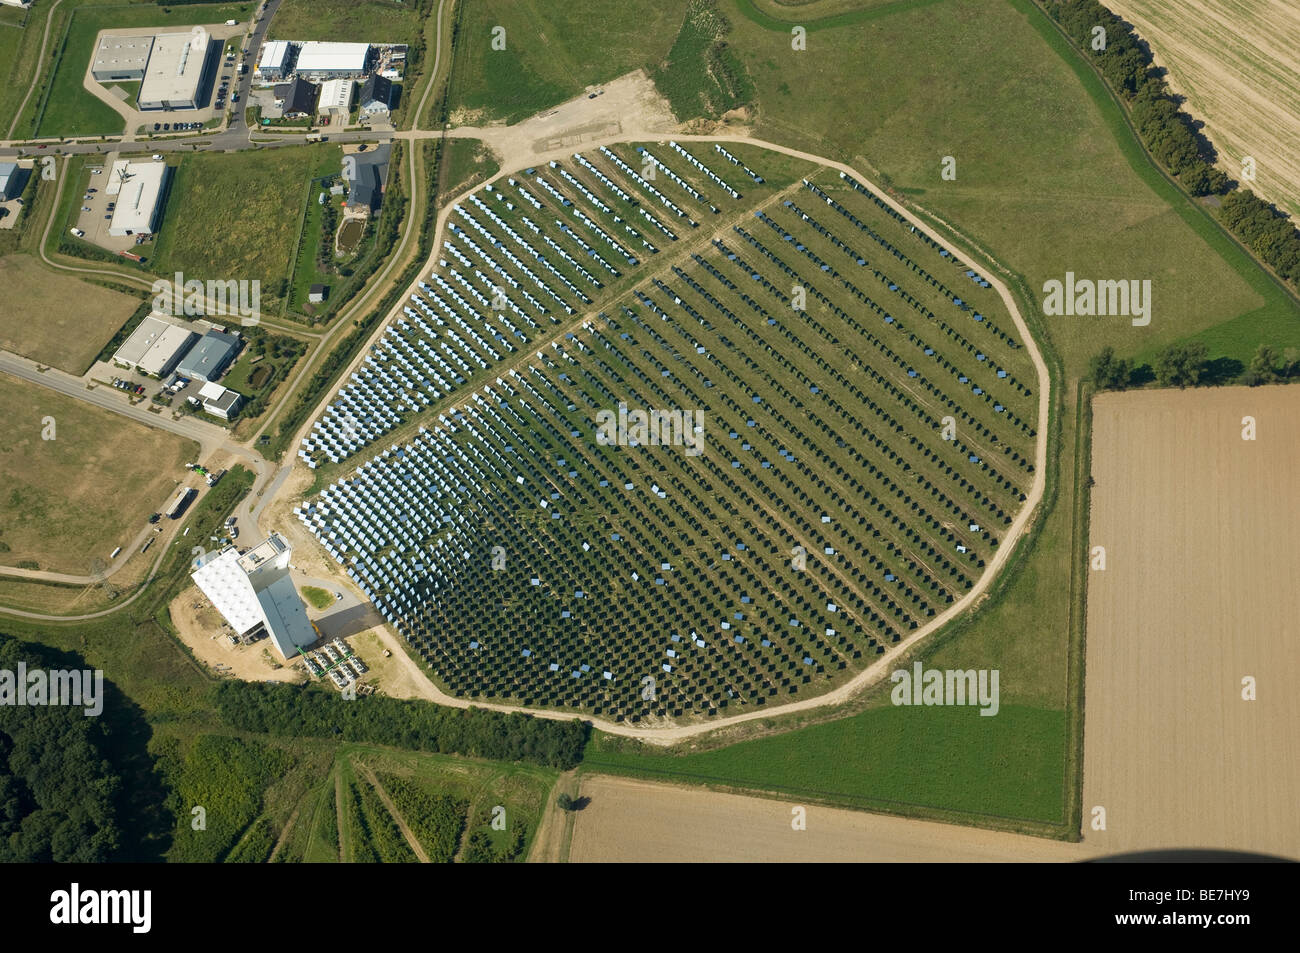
(671, 734)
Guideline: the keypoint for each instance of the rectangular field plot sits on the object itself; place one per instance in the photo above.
(56, 319)
(68, 502)
(838, 428)
(1202, 539)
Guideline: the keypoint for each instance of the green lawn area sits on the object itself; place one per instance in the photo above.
(235, 216)
(315, 236)
(13, 88)
(68, 109)
(317, 597)
(553, 51)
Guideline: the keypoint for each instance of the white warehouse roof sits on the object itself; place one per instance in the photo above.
(138, 195)
(166, 351)
(274, 53)
(154, 346)
(316, 57)
(335, 96)
(174, 71)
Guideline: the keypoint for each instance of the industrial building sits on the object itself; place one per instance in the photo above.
(274, 62)
(176, 72)
(13, 179)
(376, 98)
(220, 401)
(296, 99)
(209, 359)
(121, 58)
(139, 188)
(335, 102)
(155, 347)
(321, 61)
(255, 593)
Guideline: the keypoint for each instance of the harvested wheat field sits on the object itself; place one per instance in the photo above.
(641, 821)
(1201, 531)
(1238, 64)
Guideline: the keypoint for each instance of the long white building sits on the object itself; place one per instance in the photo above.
(320, 61)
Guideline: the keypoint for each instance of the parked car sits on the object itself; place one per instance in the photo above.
(157, 126)
(157, 157)
(96, 171)
(85, 208)
(167, 127)
(92, 190)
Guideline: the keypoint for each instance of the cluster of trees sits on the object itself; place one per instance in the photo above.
(1188, 364)
(480, 850)
(60, 794)
(297, 711)
(1171, 135)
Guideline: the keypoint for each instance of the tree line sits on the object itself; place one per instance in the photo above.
(1171, 135)
(297, 711)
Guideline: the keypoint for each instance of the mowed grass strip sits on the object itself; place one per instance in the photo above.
(553, 51)
(905, 760)
(54, 318)
(237, 216)
(69, 109)
(72, 500)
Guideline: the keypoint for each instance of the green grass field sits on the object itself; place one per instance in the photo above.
(901, 760)
(1048, 178)
(236, 216)
(441, 799)
(353, 21)
(553, 51)
(68, 109)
